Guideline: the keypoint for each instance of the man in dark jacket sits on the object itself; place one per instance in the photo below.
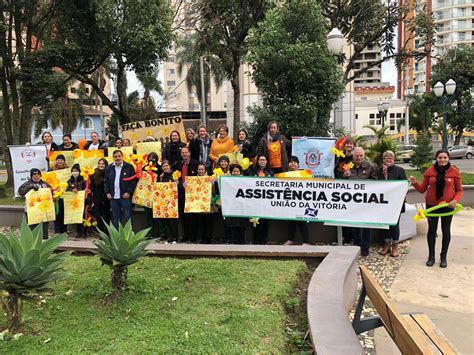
(118, 190)
(95, 143)
(187, 167)
(35, 183)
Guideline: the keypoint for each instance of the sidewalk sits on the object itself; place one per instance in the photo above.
(445, 295)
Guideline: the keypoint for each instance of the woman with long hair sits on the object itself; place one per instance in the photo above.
(172, 151)
(101, 204)
(276, 147)
(442, 183)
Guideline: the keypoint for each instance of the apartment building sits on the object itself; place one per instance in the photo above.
(455, 25)
(368, 56)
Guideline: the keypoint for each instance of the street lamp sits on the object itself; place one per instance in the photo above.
(335, 41)
(439, 89)
(383, 107)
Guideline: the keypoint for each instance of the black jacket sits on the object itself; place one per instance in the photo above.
(246, 148)
(76, 183)
(125, 186)
(192, 169)
(74, 146)
(195, 147)
(394, 173)
(31, 185)
(255, 169)
(172, 152)
(97, 186)
(102, 145)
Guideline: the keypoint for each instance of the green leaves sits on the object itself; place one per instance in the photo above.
(27, 263)
(119, 248)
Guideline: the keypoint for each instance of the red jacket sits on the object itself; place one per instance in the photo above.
(452, 187)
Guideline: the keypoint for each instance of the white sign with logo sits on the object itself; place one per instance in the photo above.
(24, 158)
(315, 154)
(355, 202)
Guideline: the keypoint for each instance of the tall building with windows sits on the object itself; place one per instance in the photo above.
(368, 56)
(454, 20)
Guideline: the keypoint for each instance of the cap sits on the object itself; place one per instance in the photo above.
(60, 156)
(76, 167)
(34, 171)
(223, 157)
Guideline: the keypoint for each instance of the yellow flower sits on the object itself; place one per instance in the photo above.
(176, 175)
(134, 136)
(338, 153)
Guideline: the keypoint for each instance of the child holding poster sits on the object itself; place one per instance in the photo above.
(205, 220)
(171, 224)
(75, 184)
(234, 225)
(35, 183)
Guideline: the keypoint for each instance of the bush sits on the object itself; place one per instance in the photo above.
(119, 249)
(27, 264)
(423, 152)
(383, 143)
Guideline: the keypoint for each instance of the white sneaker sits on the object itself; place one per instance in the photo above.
(288, 242)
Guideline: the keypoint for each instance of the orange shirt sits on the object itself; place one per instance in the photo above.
(274, 154)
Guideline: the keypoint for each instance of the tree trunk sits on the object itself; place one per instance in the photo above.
(118, 280)
(13, 312)
(122, 91)
(236, 87)
(459, 134)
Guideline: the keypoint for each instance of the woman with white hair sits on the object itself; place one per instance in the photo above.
(389, 171)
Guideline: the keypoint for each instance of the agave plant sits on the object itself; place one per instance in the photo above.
(27, 265)
(119, 249)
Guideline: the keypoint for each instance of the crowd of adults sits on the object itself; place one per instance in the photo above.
(112, 185)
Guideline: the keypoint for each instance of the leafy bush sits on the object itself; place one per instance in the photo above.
(119, 249)
(27, 264)
(383, 143)
(423, 152)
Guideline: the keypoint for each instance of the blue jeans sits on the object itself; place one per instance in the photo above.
(121, 210)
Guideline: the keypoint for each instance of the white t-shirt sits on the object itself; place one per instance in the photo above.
(94, 146)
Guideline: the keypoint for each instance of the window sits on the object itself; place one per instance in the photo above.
(170, 71)
(87, 123)
(392, 115)
(86, 90)
(392, 122)
(73, 90)
(363, 98)
(461, 36)
(357, 116)
(369, 56)
(392, 128)
(399, 115)
(171, 83)
(370, 74)
(171, 59)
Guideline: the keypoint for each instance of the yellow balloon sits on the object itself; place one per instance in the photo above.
(245, 163)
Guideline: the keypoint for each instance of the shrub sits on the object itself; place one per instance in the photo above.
(423, 152)
(119, 249)
(27, 265)
(383, 143)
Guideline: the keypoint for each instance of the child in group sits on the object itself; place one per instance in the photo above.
(223, 164)
(204, 221)
(157, 230)
(294, 165)
(75, 184)
(171, 224)
(236, 226)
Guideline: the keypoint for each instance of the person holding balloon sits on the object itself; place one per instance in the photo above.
(443, 186)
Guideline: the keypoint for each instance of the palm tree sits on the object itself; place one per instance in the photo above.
(150, 82)
(382, 143)
(188, 56)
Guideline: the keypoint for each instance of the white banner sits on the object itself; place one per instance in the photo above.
(315, 154)
(346, 201)
(24, 158)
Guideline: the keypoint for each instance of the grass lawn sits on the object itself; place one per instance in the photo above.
(171, 306)
(6, 196)
(467, 178)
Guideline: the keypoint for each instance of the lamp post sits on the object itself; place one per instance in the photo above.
(335, 41)
(439, 89)
(383, 107)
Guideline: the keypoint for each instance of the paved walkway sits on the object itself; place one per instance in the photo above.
(445, 295)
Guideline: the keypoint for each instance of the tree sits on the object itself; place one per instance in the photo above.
(150, 82)
(132, 34)
(188, 56)
(423, 152)
(293, 69)
(458, 64)
(382, 143)
(370, 22)
(222, 29)
(27, 79)
(424, 112)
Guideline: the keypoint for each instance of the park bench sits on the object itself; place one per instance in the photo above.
(412, 333)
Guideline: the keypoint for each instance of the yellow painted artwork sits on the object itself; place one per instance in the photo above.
(198, 194)
(143, 194)
(57, 177)
(127, 151)
(73, 207)
(165, 200)
(68, 155)
(87, 158)
(40, 206)
(148, 147)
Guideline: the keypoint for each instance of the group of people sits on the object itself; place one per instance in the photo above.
(442, 183)
(112, 187)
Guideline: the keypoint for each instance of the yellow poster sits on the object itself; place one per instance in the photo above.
(234, 158)
(68, 154)
(143, 194)
(165, 200)
(127, 151)
(156, 128)
(198, 194)
(57, 177)
(40, 206)
(148, 147)
(73, 207)
(87, 158)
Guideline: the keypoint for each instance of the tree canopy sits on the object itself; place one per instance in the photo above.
(296, 74)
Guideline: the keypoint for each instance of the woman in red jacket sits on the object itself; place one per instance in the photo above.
(443, 183)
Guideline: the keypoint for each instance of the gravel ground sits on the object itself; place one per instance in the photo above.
(383, 268)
